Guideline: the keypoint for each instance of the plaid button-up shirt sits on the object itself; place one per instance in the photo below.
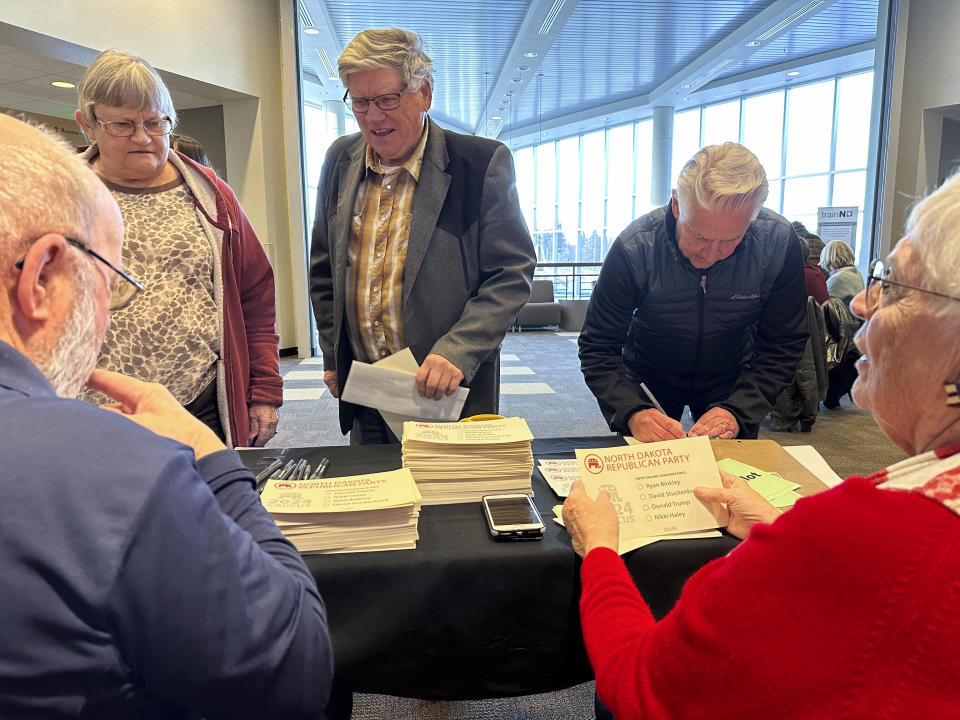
(379, 231)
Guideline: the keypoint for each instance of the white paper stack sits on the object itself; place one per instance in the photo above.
(462, 462)
(359, 513)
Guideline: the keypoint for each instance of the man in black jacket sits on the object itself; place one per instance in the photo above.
(702, 301)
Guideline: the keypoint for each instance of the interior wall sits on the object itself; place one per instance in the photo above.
(205, 125)
(930, 58)
(949, 149)
(230, 43)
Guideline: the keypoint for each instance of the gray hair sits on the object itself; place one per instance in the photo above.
(837, 255)
(391, 47)
(121, 79)
(933, 231)
(47, 188)
(724, 177)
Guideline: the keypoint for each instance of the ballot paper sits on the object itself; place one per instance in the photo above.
(560, 474)
(777, 490)
(651, 485)
(462, 462)
(627, 544)
(359, 513)
(395, 391)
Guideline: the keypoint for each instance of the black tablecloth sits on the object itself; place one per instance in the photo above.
(465, 616)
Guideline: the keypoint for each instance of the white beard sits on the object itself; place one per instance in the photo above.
(74, 356)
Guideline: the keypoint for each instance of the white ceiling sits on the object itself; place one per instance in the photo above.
(529, 69)
(29, 62)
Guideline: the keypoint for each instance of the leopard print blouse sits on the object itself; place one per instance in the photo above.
(171, 332)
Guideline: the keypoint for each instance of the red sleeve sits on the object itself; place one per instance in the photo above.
(786, 619)
(255, 284)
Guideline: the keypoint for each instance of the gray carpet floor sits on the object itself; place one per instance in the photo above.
(541, 382)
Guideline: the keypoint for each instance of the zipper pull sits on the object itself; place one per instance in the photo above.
(703, 284)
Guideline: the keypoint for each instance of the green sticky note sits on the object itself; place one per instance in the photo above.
(770, 485)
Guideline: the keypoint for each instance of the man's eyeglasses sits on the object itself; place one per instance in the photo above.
(390, 101)
(126, 128)
(123, 294)
(877, 282)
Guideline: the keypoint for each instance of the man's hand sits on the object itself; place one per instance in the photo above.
(330, 380)
(591, 523)
(263, 423)
(152, 406)
(716, 422)
(745, 505)
(437, 377)
(652, 425)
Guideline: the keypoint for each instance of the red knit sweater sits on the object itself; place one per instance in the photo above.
(848, 606)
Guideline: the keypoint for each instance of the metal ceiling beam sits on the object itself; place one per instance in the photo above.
(640, 107)
(743, 42)
(538, 32)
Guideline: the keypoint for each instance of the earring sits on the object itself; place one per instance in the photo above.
(953, 393)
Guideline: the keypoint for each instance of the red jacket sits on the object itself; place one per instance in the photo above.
(250, 371)
(846, 607)
(816, 284)
(251, 362)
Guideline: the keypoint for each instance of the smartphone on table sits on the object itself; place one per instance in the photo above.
(513, 517)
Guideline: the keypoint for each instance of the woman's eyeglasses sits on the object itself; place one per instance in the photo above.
(877, 282)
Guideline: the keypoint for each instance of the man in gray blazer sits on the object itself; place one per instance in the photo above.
(418, 239)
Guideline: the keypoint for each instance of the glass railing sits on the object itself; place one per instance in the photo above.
(571, 281)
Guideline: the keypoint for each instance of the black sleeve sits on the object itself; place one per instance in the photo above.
(604, 333)
(781, 336)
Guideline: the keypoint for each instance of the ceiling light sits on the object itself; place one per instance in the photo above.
(62, 84)
(530, 54)
(551, 17)
(523, 68)
(684, 99)
(793, 73)
(753, 43)
(311, 31)
(516, 80)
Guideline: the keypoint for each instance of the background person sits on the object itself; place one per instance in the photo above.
(191, 147)
(844, 282)
(855, 589)
(845, 279)
(141, 576)
(447, 273)
(205, 326)
(703, 301)
(816, 284)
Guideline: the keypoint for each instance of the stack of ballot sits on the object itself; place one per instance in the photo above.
(462, 462)
(359, 513)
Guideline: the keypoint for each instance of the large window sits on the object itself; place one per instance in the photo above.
(812, 140)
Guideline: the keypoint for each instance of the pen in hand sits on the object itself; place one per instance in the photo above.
(649, 394)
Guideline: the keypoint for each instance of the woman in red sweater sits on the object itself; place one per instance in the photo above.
(847, 606)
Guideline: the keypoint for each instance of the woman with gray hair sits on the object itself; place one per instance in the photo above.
(844, 280)
(844, 606)
(204, 325)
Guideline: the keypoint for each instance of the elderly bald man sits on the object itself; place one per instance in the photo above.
(141, 575)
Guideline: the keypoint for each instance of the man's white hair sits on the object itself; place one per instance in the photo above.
(46, 188)
(724, 177)
(391, 47)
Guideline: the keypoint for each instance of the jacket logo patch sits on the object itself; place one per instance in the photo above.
(738, 296)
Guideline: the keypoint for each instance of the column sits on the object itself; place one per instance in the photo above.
(660, 181)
